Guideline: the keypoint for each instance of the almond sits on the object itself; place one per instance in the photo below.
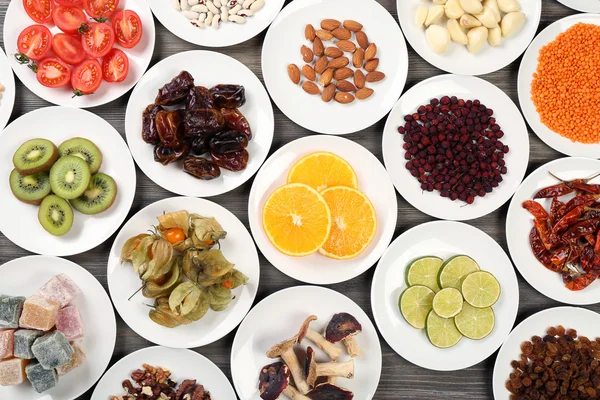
(362, 39)
(330, 24)
(310, 87)
(326, 77)
(307, 54)
(344, 98)
(359, 79)
(346, 45)
(333, 52)
(358, 58)
(371, 52)
(372, 65)
(339, 62)
(345, 86)
(324, 35)
(364, 93)
(309, 32)
(328, 93)
(318, 47)
(352, 25)
(375, 76)
(342, 33)
(343, 73)
(309, 72)
(321, 65)
(294, 73)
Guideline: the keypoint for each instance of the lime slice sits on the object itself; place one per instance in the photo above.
(415, 303)
(424, 271)
(442, 332)
(454, 270)
(480, 289)
(475, 323)
(447, 302)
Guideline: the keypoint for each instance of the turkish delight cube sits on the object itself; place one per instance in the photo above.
(61, 289)
(52, 350)
(41, 378)
(24, 339)
(6, 343)
(76, 361)
(68, 321)
(10, 311)
(12, 372)
(39, 313)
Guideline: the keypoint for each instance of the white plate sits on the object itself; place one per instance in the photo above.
(20, 223)
(458, 59)
(209, 69)
(123, 281)
(372, 180)
(519, 223)
(139, 57)
(590, 6)
(527, 69)
(585, 322)
(468, 88)
(183, 364)
(228, 33)
(309, 111)
(7, 98)
(24, 277)
(443, 239)
(279, 316)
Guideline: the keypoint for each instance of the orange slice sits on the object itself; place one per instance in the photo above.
(296, 219)
(322, 170)
(354, 222)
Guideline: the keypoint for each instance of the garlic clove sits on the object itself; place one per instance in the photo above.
(487, 18)
(471, 6)
(477, 38)
(434, 14)
(456, 32)
(453, 9)
(468, 21)
(493, 5)
(508, 6)
(438, 38)
(512, 23)
(495, 36)
(421, 15)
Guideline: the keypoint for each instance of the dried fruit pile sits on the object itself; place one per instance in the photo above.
(202, 13)
(453, 146)
(330, 63)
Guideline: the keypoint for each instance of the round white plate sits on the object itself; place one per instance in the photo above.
(183, 364)
(443, 239)
(468, 88)
(228, 33)
(237, 247)
(590, 6)
(24, 277)
(209, 69)
(7, 98)
(279, 316)
(372, 180)
(585, 322)
(458, 59)
(525, 78)
(139, 57)
(20, 223)
(519, 223)
(309, 111)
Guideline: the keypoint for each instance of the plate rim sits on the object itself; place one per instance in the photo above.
(12, 85)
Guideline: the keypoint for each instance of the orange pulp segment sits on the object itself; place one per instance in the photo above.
(321, 170)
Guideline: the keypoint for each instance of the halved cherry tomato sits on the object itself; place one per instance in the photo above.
(174, 235)
(128, 28)
(115, 66)
(39, 10)
(69, 3)
(35, 42)
(98, 39)
(68, 48)
(100, 8)
(52, 73)
(68, 18)
(86, 77)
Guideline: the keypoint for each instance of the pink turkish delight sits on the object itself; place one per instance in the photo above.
(61, 289)
(68, 321)
(7, 343)
(39, 313)
(77, 359)
(12, 372)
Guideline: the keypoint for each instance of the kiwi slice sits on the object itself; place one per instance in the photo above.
(30, 189)
(69, 177)
(98, 197)
(34, 156)
(84, 149)
(55, 215)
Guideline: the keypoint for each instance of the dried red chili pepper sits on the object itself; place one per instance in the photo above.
(536, 209)
(587, 255)
(540, 252)
(554, 207)
(580, 200)
(569, 219)
(581, 229)
(582, 281)
(557, 190)
(566, 254)
(548, 238)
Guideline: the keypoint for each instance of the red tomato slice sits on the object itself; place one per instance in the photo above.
(53, 73)
(39, 10)
(115, 66)
(68, 18)
(35, 42)
(128, 28)
(69, 3)
(68, 48)
(98, 39)
(86, 77)
(100, 8)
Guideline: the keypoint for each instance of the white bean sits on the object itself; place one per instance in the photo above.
(175, 4)
(212, 8)
(199, 8)
(184, 5)
(215, 21)
(198, 24)
(257, 5)
(235, 9)
(217, 3)
(224, 14)
(209, 18)
(190, 14)
(247, 3)
(237, 19)
(202, 17)
(245, 13)
(193, 2)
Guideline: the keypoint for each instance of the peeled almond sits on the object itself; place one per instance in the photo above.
(438, 38)
(512, 23)
(469, 21)
(453, 9)
(434, 14)
(495, 36)
(442, 2)
(507, 6)
(456, 33)
(421, 15)
(487, 18)
(471, 6)
(493, 5)
(477, 38)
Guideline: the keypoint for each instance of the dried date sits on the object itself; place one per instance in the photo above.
(199, 97)
(175, 91)
(201, 168)
(170, 128)
(149, 131)
(203, 121)
(228, 142)
(228, 96)
(167, 155)
(236, 121)
(234, 161)
(198, 145)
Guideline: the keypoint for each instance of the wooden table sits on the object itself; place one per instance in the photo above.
(399, 378)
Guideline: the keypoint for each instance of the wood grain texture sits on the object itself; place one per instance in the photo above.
(399, 379)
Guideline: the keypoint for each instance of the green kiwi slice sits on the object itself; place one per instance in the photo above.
(35, 156)
(98, 197)
(30, 189)
(84, 149)
(69, 177)
(55, 215)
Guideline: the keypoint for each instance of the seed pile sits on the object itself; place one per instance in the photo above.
(565, 87)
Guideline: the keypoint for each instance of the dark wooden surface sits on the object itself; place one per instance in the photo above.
(399, 379)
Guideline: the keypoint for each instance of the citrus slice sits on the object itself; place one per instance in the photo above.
(441, 332)
(296, 219)
(424, 271)
(415, 303)
(475, 323)
(322, 170)
(481, 289)
(454, 271)
(354, 222)
(447, 302)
